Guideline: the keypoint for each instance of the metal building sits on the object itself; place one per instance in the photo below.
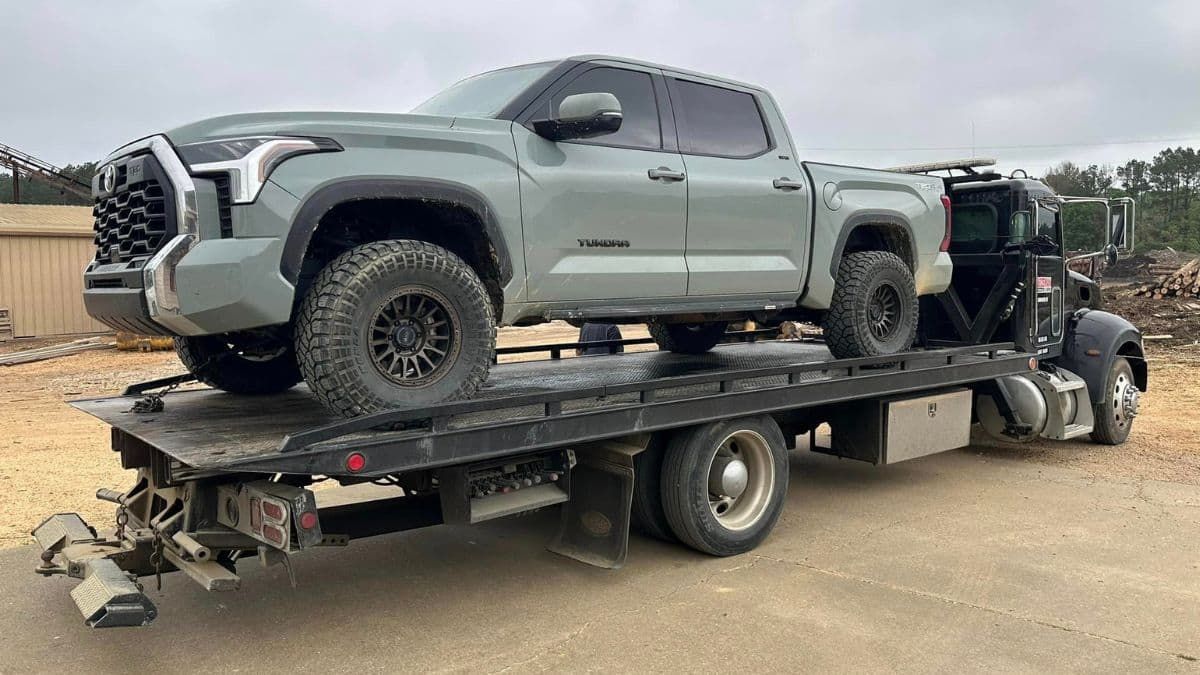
(43, 250)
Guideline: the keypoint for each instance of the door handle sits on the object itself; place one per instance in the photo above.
(665, 173)
(786, 183)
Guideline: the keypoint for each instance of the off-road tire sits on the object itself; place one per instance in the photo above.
(334, 326)
(686, 338)
(1109, 428)
(215, 363)
(861, 275)
(685, 489)
(647, 513)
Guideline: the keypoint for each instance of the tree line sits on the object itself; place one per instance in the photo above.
(39, 192)
(1166, 188)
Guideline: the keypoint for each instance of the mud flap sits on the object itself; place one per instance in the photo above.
(595, 521)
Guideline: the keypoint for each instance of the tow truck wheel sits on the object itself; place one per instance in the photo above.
(647, 512)
(1114, 415)
(724, 484)
(874, 307)
(686, 338)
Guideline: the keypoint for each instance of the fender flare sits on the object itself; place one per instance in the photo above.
(872, 217)
(1094, 339)
(319, 202)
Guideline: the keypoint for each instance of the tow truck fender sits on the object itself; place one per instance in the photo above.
(1094, 338)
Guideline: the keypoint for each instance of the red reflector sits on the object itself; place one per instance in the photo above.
(273, 534)
(355, 462)
(272, 511)
(949, 227)
(308, 520)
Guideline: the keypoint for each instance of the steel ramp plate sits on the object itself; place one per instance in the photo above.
(107, 598)
(62, 530)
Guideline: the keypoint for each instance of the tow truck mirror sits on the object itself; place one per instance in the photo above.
(1110, 254)
(1019, 227)
(1121, 224)
(582, 116)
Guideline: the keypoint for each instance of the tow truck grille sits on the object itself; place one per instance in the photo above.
(134, 220)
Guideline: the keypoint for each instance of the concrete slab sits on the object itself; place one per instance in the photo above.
(961, 561)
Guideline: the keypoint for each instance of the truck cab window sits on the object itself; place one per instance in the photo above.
(1047, 223)
(975, 228)
(718, 121)
(635, 90)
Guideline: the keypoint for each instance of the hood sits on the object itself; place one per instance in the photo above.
(304, 124)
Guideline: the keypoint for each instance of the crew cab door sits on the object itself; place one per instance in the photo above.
(604, 217)
(1049, 276)
(748, 198)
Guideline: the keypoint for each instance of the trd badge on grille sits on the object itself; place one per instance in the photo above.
(108, 178)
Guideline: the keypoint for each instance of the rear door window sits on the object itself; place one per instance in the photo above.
(718, 121)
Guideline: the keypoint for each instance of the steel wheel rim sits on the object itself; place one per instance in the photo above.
(1125, 400)
(741, 511)
(412, 336)
(883, 311)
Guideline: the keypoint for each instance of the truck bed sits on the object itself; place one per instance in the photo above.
(531, 405)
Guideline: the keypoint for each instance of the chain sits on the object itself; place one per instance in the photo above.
(156, 561)
(122, 520)
(153, 402)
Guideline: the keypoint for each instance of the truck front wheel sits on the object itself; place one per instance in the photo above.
(239, 364)
(1114, 415)
(686, 338)
(394, 324)
(874, 308)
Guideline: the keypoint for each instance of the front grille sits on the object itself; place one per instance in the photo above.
(136, 219)
(224, 205)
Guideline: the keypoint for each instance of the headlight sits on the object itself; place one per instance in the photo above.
(249, 161)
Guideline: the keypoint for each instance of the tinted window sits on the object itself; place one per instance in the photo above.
(716, 121)
(973, 228)
(639, 108)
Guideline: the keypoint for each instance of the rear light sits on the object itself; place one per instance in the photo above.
(945, 247)
(308, 520)
(355, 462)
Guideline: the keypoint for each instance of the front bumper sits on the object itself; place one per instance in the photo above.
(201, 281)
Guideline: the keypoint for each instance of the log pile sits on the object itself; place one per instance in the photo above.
(1183, 282)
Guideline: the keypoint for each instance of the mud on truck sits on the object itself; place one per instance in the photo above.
(373, 255)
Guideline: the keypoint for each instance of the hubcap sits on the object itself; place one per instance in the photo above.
(1125, 400)
(883, 311)
(741, 480)
(412, 337)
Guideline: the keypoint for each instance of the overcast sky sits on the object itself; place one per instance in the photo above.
(869, 83)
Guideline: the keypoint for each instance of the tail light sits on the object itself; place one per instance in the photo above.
(283, 516)
(949, 228)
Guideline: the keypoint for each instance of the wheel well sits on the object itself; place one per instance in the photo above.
(881, 237)
(455, 227)
(1137, 362)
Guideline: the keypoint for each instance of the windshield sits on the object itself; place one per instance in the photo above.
(483, 95)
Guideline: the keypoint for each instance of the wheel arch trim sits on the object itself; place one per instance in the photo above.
(1094, 339)
(868, 218)
(323, 199)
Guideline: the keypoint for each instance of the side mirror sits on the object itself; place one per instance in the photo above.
(582, 116)
(1110, 254)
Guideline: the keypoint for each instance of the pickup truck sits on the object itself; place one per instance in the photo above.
(373, 255)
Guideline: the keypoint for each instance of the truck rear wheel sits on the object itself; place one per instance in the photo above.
(874, 308)
(647, 513)
(394, 323)
(1114, 415)
(239, 366)
(686, 338)
(724, 484)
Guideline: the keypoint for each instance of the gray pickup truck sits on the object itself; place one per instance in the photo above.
(373, 255)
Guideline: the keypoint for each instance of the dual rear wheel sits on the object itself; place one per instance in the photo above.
(718, 488)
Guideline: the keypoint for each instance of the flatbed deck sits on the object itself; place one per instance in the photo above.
(532, 405)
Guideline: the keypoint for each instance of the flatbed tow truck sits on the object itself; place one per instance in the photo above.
(691, 448)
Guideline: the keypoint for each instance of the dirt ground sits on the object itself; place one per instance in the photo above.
(52, 458)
